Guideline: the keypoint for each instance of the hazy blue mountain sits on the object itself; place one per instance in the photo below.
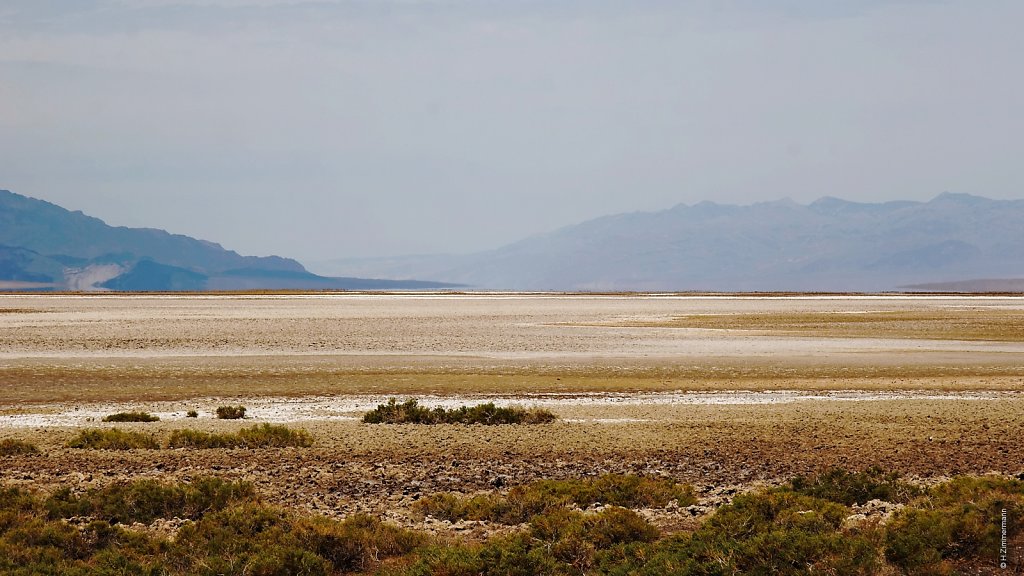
(49, 229)
(45, 246)
(828, 245)
(23, 265)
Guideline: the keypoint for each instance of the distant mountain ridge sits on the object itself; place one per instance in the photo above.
(828, 245)
(44, 246)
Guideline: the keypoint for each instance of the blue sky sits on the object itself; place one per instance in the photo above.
(364, 128)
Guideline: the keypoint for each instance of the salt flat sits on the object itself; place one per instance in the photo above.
(488, 326)
(163, 347)
(714, 390)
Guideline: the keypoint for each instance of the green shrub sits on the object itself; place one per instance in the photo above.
(274, 436)
(192, 414)
(355, 543)
(131, 417)
(851, 488)
(629, 491)
(523, 502)
(146, 500)
(231, 412)
(31, 544)
(951, 528)
(254, 538)
(112, 439)
(410, 412)
(782, 532)
(955, 521)
(560, 541)
(514, 555)
(260, 436)
(15, 447)
(198, 439)
(231, 533)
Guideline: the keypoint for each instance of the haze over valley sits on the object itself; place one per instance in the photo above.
(954, 242)
(511, 288)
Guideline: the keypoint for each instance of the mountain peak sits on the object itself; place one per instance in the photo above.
(829, 245)
(50, 247)
(959, 198)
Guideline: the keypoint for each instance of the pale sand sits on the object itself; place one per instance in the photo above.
(714, 407)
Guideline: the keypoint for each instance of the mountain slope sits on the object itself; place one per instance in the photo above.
(49, 229)
(829, 245)
(45, 246)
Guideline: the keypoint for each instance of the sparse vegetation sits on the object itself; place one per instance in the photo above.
(849, 488)
(260, 436)
(558, 542)
(781, 531)
(410, 412)
(16, 447)
(131, 417)
(777, 532)
(231, 412)
(112, 439)
(957, 521)
(946, 529)
(231, 532)
(146, 500)
(524, 502)
(192, 414)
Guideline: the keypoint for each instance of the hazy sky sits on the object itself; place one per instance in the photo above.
(378, 127)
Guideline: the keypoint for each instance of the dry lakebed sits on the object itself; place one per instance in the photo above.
(727, 393)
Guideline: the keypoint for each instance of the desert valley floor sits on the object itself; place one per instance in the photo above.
(723, 392)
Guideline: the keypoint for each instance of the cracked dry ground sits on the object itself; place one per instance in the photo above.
(383, 469)
(77, 350)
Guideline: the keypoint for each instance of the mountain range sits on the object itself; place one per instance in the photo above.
(955, 242)
(827, 245)
(45, 247)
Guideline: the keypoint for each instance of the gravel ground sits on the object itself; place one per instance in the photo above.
(723, 409)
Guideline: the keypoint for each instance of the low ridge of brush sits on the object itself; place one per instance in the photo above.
(260, 436)
(231, 412)
(112, 439)
(15, 447)
(131, 417)
(410, 412)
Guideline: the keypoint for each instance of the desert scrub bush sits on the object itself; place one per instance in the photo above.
(198, 439)
(251, 538)
(355, 543)
(274, 436)
(16, 447)
(112, 439)
(146, 500)
(559, 542)
(32, 544)
(410, 412)
(523, 502)
(629, 491)
(231, 533)
(131, 417)
(260, 436)
(231, 412)
(953, 522)
(849, 488)
(192, 414)
(773, 532)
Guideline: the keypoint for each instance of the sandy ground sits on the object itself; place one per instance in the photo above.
(96, 348)
(716, 446)
(723, 408)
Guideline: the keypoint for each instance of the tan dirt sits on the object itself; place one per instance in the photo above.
(959, 407)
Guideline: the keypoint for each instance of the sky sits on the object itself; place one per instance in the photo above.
(362, 128)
